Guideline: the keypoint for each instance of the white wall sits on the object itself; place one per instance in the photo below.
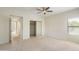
(4, 29)
(56, 25)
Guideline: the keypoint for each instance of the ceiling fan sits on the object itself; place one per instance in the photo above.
(44, 10)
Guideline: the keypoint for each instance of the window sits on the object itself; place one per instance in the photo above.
(73, 26)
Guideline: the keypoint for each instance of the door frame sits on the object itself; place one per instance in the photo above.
(36, 27)
(10, 31)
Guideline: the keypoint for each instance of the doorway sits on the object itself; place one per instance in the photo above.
(32, 28)
(16, 28)
(35, 28)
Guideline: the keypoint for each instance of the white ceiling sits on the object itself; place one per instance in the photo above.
(61, 9)
(33, 10)
(56, 10)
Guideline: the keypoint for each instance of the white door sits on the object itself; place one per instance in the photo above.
(39, 28)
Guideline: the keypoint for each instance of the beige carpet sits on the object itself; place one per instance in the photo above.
(40, 44)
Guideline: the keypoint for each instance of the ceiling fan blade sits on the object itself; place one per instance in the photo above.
(39, 10)
(50, 11)
(47, 8)
(43, 8)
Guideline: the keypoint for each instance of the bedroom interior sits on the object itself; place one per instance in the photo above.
(39, 28)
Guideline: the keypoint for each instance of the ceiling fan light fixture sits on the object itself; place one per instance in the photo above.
(45, 10)
(44, 13)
